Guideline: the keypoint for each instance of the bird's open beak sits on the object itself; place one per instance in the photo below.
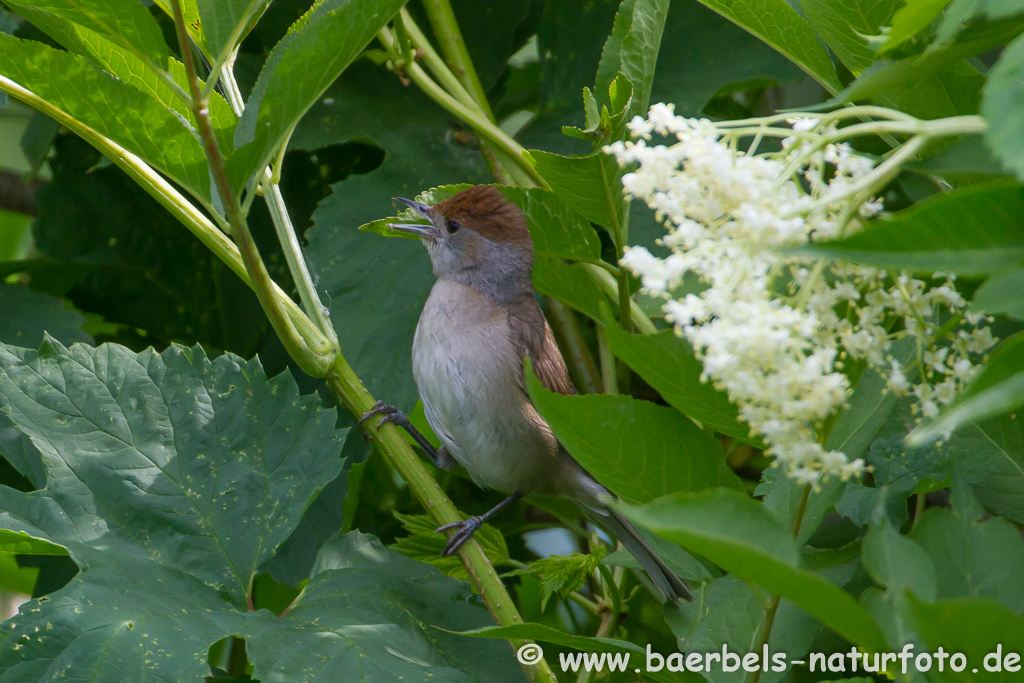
(416, 229)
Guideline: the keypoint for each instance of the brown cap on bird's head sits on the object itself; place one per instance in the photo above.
(485, 210)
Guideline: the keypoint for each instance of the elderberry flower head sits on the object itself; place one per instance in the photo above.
(774, 330)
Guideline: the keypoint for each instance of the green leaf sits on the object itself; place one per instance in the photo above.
(570, 283)
(110, 106)
(638, 450)
(376, 287)
(225, 22)
(137, 72)
(740, 536)
(1001, 107)
(548, 634)
(206, 466)
(782, 496)
(1002, 293)
(998, 389)
(369, 613)
(703, 54)
(1001, 491)
(29, 315)
(911, 19)
(17, 543)
(330, 35)
(123, 22)
(562, 574)
(886, 75)
(666, 362)
(778, 24)
(975, 628)
(845, 24)
(589, 185)
(897, 562)
(966, 161)
(632, 49)
(972, 231)
(868, 407)
(973, 559)
(425, 545)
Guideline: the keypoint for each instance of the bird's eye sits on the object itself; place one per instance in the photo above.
(452, 227)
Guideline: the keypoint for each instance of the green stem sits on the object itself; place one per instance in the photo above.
(773, 606)
(609, 374)
(283, 224)
(312, 363)
(610, 285)
(578, 356)
(453, 47)
(474, 117)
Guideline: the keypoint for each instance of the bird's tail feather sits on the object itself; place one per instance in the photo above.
(620, 528)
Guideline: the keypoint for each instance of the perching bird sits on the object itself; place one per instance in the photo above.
(479, 323)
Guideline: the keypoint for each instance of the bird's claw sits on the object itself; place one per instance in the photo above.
(390, 413)
(466, 529)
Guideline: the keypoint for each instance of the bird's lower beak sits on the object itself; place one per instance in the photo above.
(428, 231)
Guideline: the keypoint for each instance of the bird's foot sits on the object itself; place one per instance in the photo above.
(466, 529)
(390, 413)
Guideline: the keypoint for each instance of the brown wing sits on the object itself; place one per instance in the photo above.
(532, 337)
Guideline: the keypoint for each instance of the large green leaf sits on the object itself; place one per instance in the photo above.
(124, 22)
(738, 535)
(632, 49)
(846, 24)
(1001, 491)
(778, 24)
(1001, 107)
(203, 466)
(975, 628)
(330, 35)
(135, 71)
(117, 110)
(638, 450)
(366, 614)
(225, 22)
(1002, 293)
(590, 185)
(897, 562)
(666, 362)
(975, 230)
(886, 75)
(372, 614)
(376, 287)
(973, 559)
(28, 315)
(570, 283)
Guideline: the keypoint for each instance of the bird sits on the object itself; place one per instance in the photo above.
(479, 324)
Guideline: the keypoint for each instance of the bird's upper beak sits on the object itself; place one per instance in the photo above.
(417, 229)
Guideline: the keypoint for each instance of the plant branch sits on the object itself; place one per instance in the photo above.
(283, 224)
(449, 36)
(314, 363)
(473, 116)
(610, 284)
(773, 606)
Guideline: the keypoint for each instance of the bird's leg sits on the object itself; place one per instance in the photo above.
(467, 528)
(439, 456)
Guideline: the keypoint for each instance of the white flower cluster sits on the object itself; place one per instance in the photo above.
(773, 330)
